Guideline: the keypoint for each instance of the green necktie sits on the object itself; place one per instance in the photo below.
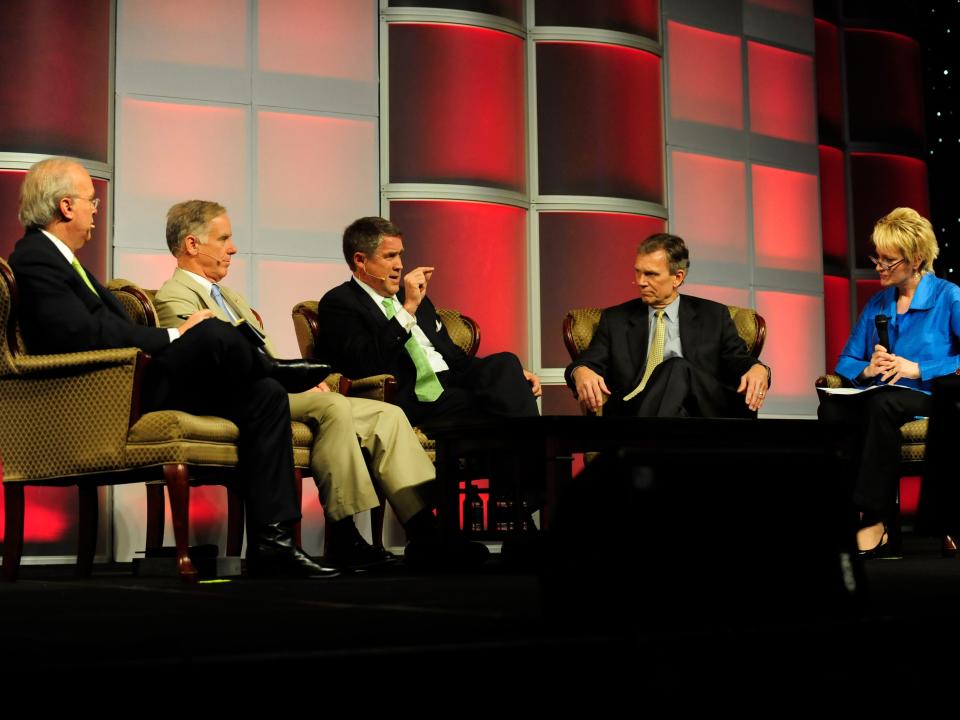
(428, 387)
(656, 353)
(83, 276)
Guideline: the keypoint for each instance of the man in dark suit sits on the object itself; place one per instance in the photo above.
(382, 322)
(666, 354)
(204, 366)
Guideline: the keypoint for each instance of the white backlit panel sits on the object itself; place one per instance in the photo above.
(147, 269)
(315, 175)
(281, 284)
(318, 55)
(169, 152)
(184, 48)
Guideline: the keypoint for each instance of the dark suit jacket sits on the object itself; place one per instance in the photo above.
(357, 339)
(708, 338)
(58, 313)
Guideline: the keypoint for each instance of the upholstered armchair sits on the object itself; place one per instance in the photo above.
(580, 325)
(75, 420)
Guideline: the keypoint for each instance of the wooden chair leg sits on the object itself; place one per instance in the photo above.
(156, 515)
(87, 531)
(178, 489)
(13, 533)
(235, 521)
(298, 480)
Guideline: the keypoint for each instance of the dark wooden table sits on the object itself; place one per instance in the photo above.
(543, 446)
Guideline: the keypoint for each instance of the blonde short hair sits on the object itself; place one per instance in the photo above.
(909, 233)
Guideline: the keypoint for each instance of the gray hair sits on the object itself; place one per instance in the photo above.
(46, 184)
(190, 218)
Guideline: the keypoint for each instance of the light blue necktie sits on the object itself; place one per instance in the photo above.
(218, 299)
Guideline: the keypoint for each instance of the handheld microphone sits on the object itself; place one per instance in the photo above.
(882, 322)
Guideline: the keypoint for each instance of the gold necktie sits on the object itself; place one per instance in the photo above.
(656, 353)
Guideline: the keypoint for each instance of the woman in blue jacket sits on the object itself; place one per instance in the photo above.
(922, 320)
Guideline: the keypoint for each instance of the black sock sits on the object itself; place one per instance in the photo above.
(422, 526)
(344, 532)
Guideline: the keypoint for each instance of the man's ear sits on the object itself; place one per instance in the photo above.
(679, 278)
(359, 259)
(190, 244)
(66, 208)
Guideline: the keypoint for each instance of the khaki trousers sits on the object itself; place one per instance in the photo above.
(397, 461)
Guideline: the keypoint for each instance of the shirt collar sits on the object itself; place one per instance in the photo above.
(200, 280)
(923, 296)
(61, 246)
(671, 311)
(374, 295)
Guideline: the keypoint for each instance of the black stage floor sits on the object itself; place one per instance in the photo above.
(400, 624)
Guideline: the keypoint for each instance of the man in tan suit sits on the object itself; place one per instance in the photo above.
(200, 236)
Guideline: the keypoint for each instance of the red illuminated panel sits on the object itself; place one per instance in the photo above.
(67, 47)
(586, 260)
(782, 97)
(793, 347)
(724, 295)
(706, 76)
(880, 183)
(599, 121)
(303, 37)
(833, 204)
(866, 289)
(637, 17)
(93, 255)
(786, 219)
(10, 228)
(212, 33)
(829, 91)
(512, 9)
(709, 207)
(884, 90)
(836, 315)
(49, 520)
(456, 106)
(909, 494)
(479, 252)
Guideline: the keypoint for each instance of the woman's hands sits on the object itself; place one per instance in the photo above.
(890, 367)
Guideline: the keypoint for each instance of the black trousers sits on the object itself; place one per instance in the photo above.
(493, 386)
(873, 420)
(213, 370)
(678, 389)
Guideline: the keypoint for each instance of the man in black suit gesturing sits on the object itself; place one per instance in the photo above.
(369, 325)
(204, 366)
(666, 354)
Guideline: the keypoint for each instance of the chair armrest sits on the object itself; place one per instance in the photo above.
(374, 387)
(72, 362)
(88, 398)
(831, 381)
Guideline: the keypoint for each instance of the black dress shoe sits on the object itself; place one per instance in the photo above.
(298, 376)
(884, 549)
(358, 555)
(272, 554)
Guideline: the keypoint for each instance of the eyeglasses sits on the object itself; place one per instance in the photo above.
(93, 201)
(884, 266)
